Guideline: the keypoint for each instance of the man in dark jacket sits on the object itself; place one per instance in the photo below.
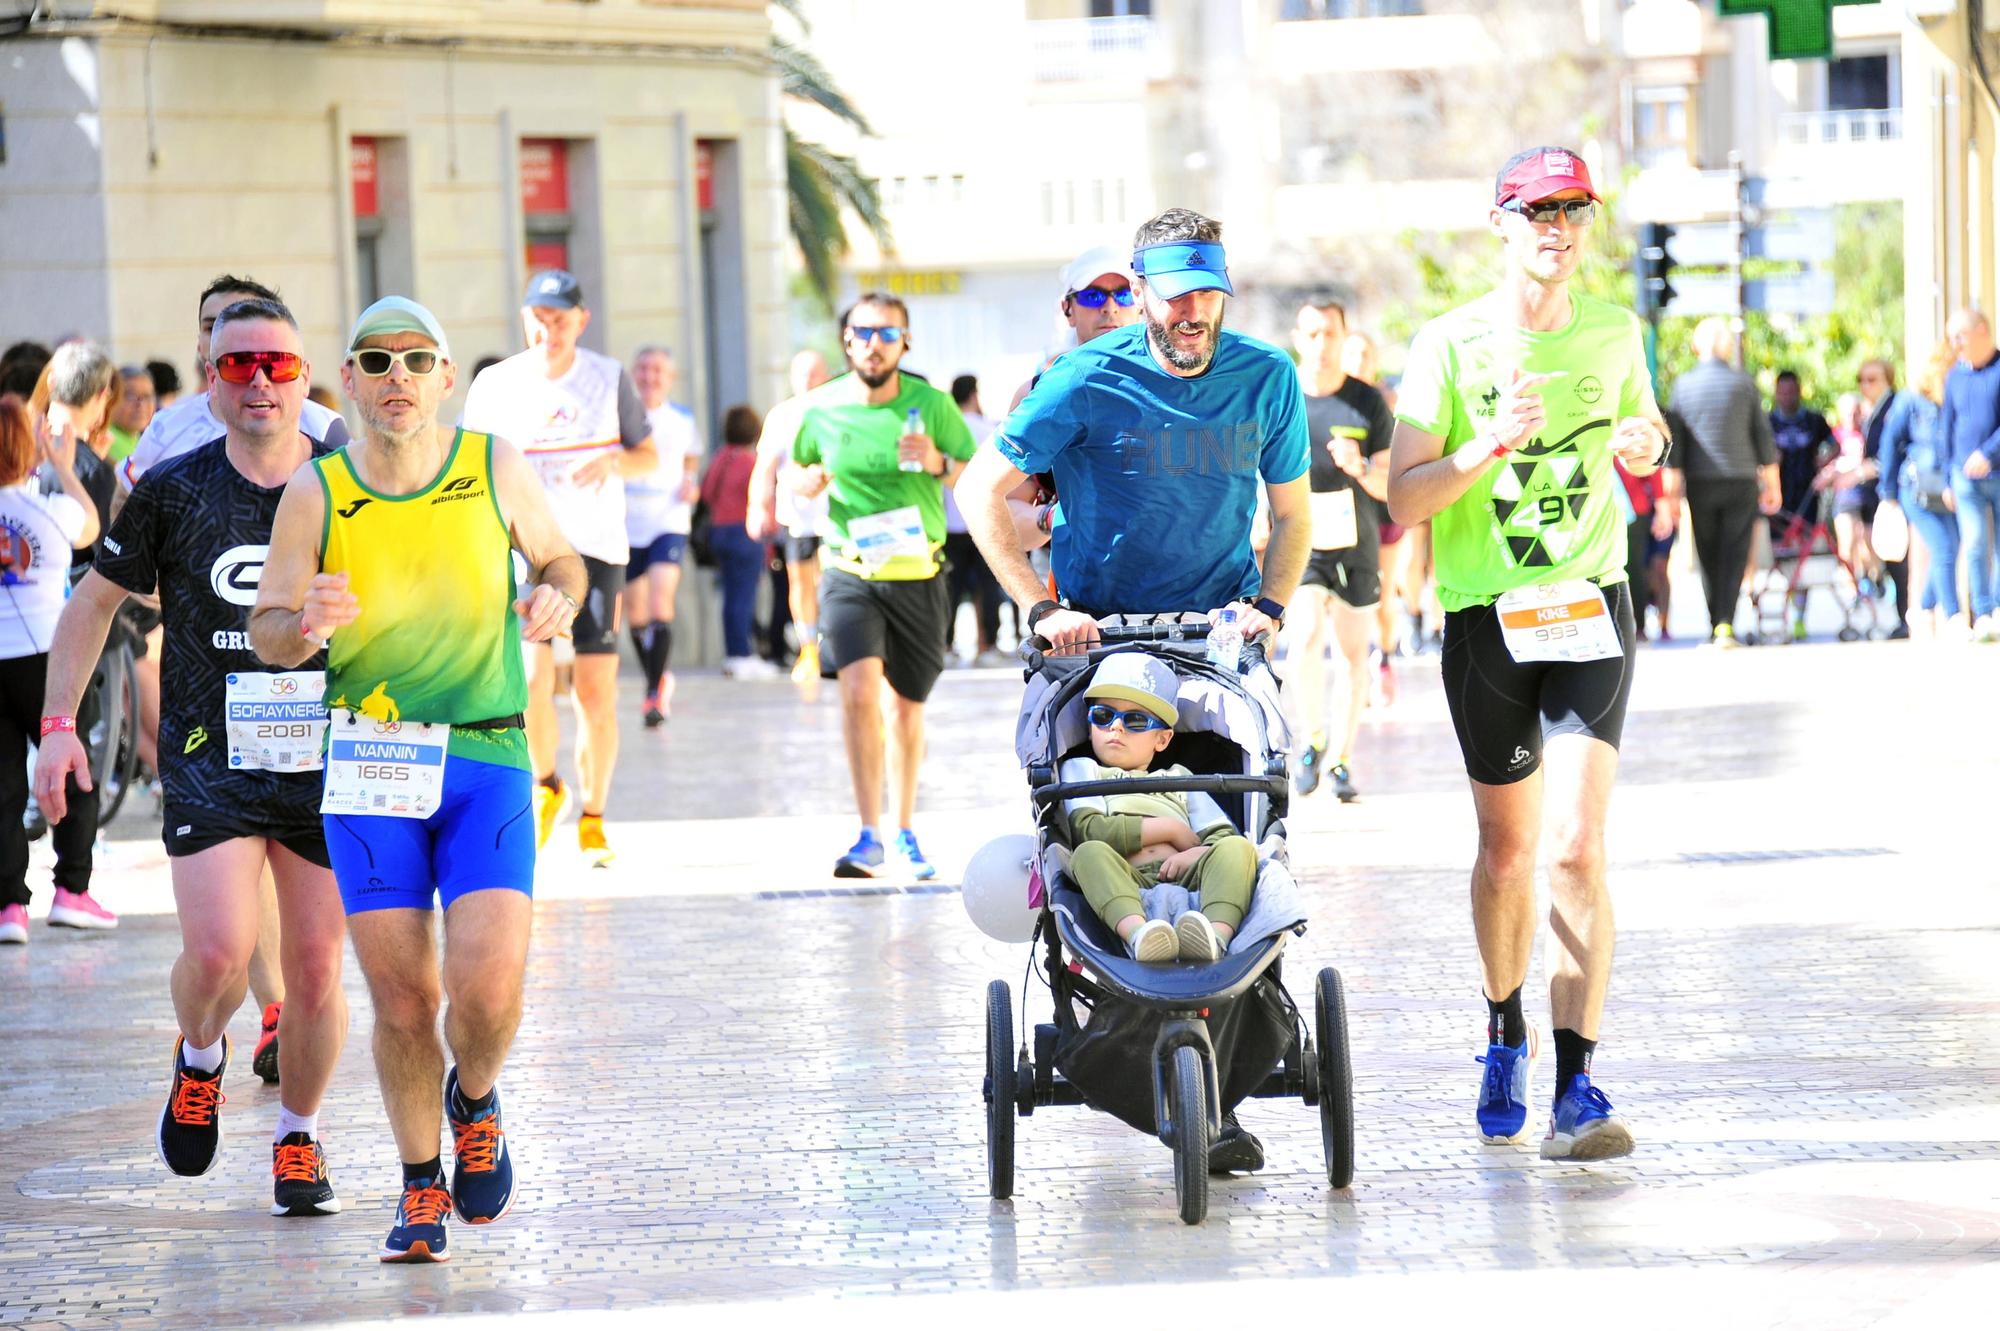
(1729, 472)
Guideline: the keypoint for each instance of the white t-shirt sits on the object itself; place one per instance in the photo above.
(653, 504)
(37, 532)
(187, 423)
(800, 517)
(560, 424)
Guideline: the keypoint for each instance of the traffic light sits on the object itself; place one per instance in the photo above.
(1652, 267)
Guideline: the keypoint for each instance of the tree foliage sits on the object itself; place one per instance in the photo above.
(823, 186)
(1825, 350)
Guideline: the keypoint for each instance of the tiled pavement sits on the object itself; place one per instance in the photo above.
(730, 1089)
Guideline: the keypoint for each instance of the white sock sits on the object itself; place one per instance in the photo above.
(288, 1123)
(201, 1060)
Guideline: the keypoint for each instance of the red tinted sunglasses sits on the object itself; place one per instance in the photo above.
(240, 367)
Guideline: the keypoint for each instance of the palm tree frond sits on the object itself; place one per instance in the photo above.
(846, 182)
(801, 75)
(816, 224)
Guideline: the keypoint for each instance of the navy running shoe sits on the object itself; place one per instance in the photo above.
(299, 1184)
(1503, 1091)
(190, 1132)
(418, 1234)
(1305, 776)
(863, 859)
(482, 1173)
(1585, 1126)
(912, 856)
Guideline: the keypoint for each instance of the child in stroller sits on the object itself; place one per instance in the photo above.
(1127, 843)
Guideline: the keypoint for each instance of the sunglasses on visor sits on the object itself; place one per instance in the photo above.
(1094, 298)
(240, 367)
(1102, 715)
(375, 362)
(1580, 212)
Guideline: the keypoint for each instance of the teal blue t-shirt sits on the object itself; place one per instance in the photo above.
(1156, 475)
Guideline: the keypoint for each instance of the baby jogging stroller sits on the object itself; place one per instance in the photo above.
(1167, 1048)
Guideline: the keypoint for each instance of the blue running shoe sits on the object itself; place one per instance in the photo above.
(1503, 1091)
(482, 1173)
(1305, 776)
(418, 1234)
(863, 860)
(1584, 1126)
(912, 856)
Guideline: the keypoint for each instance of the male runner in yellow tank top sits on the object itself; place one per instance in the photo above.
(399, 548)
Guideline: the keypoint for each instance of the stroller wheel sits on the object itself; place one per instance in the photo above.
(1336, 1079)
(1187, 1101)
(999, 1089)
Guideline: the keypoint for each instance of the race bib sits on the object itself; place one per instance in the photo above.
(392, 769)
(1564, 621)
(896, 537)
(1333, 520)
(274, 722)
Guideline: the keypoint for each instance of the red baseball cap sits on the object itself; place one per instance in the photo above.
(1534, 175)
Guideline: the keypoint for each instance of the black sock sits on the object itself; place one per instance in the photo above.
(552, 782)
(658, 652)
(472, 1108)
(642, 641)
(1504, 1022)
(1572, 1057)
(430, 1171)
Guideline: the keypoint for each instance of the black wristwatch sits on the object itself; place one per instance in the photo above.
(1039, 610)
(1269, 608)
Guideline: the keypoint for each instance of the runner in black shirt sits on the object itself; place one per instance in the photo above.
(239, 749)
(1350, 427)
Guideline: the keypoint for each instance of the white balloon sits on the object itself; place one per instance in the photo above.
(995, 890)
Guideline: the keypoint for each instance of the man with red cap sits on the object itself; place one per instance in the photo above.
(1510, 411)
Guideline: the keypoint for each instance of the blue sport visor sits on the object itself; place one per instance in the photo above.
(1178, 267)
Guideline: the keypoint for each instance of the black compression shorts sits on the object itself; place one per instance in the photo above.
(1503, 710)
(595, 631)
(189, 830)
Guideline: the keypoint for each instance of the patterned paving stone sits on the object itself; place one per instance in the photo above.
(767, 1092)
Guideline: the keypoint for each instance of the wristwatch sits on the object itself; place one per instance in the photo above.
(1269, 608)
(1039, 610)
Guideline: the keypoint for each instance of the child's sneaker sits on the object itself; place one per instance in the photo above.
(1154, 943)
(1196, 939)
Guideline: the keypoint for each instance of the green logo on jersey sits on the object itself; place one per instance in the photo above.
(196, 738)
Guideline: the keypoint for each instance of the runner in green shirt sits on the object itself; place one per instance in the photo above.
(1510, 412)
(886, 444)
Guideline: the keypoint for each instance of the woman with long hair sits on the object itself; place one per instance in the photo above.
(1914, 480)
(37, 533)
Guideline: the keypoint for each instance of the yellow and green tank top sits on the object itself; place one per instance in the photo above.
(437, 639)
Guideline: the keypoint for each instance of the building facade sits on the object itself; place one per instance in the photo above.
(345, 149)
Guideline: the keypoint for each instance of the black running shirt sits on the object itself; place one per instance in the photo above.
(197, 529)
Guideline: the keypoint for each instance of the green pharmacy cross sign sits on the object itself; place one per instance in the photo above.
(1800, 29)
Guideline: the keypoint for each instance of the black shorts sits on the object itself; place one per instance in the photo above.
(189, 830)
(901, 623)
(801, 549)
(1354, 575)
(595, 631)
(1503, 710)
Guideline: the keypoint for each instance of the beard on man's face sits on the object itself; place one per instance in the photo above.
(1161, 333)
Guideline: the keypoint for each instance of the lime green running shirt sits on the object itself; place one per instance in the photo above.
(857, 444)
(1548, 512)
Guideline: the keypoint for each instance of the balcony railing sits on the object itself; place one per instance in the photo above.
(1826, 129)
(1126, 47)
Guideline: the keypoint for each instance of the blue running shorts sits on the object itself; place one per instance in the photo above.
(666, 548)
(482, 836)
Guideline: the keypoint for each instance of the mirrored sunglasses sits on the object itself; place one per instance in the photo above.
(240, 367)
(889, 335)
(1093, 298)
(1580, 212)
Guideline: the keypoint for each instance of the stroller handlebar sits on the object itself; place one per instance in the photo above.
(1273, 786)
(1187, 634)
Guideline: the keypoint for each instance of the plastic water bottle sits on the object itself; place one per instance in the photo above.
(1225, 641)
(912, 424)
